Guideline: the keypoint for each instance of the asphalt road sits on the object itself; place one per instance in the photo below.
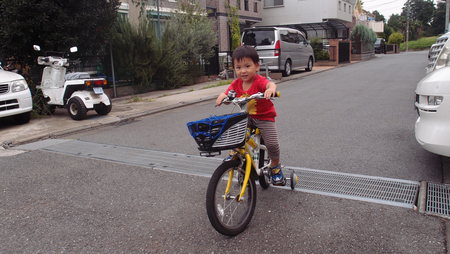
(354, 119)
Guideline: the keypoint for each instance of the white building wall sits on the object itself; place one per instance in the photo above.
(306, 11)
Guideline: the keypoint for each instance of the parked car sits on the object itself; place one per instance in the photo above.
(380, 46)
(15, 97)
(432, 128)
(280, 48)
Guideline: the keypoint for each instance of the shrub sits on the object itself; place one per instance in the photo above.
(363, 34)
(396, 38)
(319, 52)
(165, 62)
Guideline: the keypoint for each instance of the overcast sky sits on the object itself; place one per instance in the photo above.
(385, 7)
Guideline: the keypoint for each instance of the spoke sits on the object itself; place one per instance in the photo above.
(232, 213)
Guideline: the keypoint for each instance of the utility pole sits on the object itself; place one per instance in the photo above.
(159, 20)
(447, 7)
(407, 23)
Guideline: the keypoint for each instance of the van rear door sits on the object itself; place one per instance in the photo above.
(263, 39)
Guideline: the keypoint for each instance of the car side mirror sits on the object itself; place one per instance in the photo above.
(73, 49)
(36, 48)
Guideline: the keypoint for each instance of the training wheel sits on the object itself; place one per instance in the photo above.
(294, 180)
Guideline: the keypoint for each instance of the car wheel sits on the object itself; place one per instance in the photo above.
(310, 64)
(23, 118)
(287, 68)
(76, 108)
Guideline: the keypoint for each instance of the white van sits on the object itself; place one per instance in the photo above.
(280, 48)
(432, 128)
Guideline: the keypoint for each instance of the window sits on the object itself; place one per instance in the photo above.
(345, 7)
(246, 5)
(291, 37)
(238, 4)
(350, 9)
(302, 39)
(255, 7)
(273, 3)
(340, 5)
(259, 37)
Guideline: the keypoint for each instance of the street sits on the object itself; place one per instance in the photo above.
(356, 119)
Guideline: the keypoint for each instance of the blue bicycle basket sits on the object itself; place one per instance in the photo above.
(218, 133)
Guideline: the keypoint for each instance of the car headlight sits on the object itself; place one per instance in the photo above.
(19, 85)
(435, 100)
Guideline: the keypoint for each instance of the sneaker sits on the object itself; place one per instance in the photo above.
(277, 176)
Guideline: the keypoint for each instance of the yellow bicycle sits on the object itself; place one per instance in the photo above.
(231, 193)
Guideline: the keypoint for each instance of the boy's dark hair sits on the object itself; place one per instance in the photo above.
(245, 51)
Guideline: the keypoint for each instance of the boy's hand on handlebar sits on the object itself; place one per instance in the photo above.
(269, 93)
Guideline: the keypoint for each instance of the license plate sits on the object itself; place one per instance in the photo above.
(98, 90)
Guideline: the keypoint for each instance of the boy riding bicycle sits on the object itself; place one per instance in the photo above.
(262, 112)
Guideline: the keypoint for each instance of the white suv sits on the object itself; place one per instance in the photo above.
(432, 127)
(15, 97)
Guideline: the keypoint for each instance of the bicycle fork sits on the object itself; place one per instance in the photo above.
(248, 168)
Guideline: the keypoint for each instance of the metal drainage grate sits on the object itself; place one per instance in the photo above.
(374, 189)
(395, 192)
(438, 202)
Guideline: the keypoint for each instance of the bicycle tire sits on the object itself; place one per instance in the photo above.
(262, 178)
(224, 215)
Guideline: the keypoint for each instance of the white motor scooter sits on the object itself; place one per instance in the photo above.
(75, 91)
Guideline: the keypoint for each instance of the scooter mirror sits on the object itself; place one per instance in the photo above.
(36, 48)
(73, 49)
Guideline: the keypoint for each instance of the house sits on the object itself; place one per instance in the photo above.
(329, 19)
(249, 12)
(367, 19)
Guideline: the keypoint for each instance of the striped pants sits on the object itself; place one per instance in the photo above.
(270, 137)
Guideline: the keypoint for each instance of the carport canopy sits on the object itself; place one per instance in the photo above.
(328, 29)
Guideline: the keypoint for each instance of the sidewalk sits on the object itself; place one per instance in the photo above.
(124, 108)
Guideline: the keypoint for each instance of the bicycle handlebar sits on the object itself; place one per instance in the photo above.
(244, 100)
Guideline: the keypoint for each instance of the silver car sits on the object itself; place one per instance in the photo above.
(280, 48)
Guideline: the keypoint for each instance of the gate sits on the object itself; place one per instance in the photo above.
(344, 52)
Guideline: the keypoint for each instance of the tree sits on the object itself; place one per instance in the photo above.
(233, 22)
(396, 38)
(378, 16)
(171, 60)
(363, 38)
(420, 10)
(420, 17)
(55, 26)
(192, 31)
(387, 31)
(361, 33)
(438, 22)
(397, 22)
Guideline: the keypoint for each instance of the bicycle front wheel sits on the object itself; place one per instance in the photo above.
(228, 215)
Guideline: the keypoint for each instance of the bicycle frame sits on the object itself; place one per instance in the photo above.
(251, 152)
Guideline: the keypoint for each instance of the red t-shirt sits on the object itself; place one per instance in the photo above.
(260, 109)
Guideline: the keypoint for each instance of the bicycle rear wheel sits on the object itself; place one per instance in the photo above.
(226, 214)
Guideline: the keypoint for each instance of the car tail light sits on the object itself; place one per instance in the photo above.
(277, 48)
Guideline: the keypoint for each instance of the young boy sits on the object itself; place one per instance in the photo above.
(262, 112)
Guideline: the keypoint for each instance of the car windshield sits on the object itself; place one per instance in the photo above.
(378, 42)
(259, 37)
